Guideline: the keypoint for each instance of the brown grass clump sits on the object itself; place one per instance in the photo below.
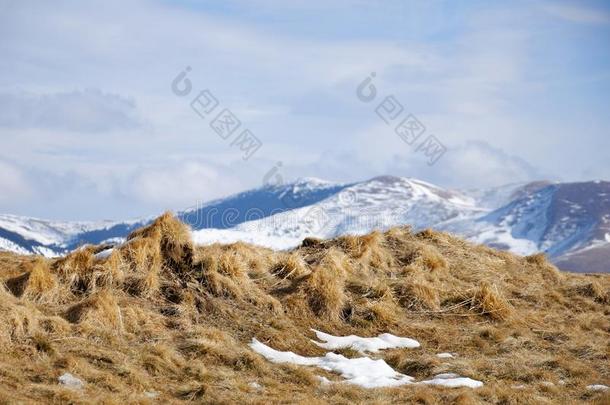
(417, 294)
(431, 259)
(324, 288)
(541, 263)
(490, 302)
(289, 266)
(369, 250)
(173, 237)
(36, 284)
(594, 290)
(159, 319)
(100, 311)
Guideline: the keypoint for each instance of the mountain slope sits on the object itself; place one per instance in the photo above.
(405, 317)
(33, 235)
(379, 203)
(561, 219)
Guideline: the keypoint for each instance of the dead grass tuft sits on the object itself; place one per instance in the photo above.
(417, 294)
(289, 266)
(37, 284)
(324, 288)
(593, 290)
(490, 302)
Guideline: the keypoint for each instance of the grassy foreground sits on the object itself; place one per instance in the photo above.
(163, 321)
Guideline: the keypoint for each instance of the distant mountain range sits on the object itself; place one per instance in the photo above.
(570, 222)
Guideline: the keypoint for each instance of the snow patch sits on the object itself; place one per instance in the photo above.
(324, 380)
(255, 386)
(360, 344)
(104, 254)
(363, 371)
(597, 387)
(70, 381)
(151, 394)
(451, 380)
(444, 355)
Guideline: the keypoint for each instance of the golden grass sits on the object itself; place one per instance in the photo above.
(161, 317)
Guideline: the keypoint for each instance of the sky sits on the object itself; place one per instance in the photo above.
(97, 123)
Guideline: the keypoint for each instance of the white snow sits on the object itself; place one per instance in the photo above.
(597, 387)
(324, 380)
(45, 251)
(10, 246)
(48, 232)
(360, 344)
(151, 394)
(104, 254)
(363, 371)
(70, 381)
(444, 355)
(255, 386)
(451, 380)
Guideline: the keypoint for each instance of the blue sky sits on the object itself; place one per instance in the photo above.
(90, 128)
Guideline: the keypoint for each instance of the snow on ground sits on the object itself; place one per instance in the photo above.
(444, 355)
(500, 235)
(451, 380)
(10, 246)
(362, 371)
(151, 394)
(360, 344)
(324, 380)
(70, 381)
(597, 387)
(104, 254)
(255, 386)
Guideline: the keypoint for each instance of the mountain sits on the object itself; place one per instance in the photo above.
(570, 222)
(379, 203)
(32, 235)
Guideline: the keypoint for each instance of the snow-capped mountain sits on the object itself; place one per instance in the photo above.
(32, 235)
(379, 203)
(568, 221)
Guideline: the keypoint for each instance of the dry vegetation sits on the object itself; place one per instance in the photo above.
(161, 315)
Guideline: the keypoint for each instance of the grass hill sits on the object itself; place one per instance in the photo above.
(159, 319)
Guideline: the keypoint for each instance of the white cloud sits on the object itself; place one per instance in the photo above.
(577, 13)
(180, 185)
(472, 165)
(14, 186)
(82, 111)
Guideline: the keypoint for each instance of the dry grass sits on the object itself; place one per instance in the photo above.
(163, 317)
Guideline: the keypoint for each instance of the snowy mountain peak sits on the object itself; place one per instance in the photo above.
(561, 219)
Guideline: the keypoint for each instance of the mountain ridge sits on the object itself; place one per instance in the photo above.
(563, 220)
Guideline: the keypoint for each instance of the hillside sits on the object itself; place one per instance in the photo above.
(159, 319)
